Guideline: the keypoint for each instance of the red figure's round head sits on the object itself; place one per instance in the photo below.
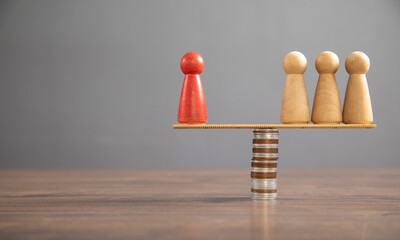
(192, 63)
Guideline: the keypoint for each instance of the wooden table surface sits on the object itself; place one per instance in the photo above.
(198, 204)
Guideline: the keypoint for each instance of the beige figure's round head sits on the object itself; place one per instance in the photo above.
(357, 63)
(295, 63)
(327, 62)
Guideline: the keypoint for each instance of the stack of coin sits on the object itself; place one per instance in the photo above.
(264, 164)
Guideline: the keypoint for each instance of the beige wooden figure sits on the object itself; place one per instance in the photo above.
(326, 107)
(357, 107)
(295, 107)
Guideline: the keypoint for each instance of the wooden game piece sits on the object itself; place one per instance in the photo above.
(326, 107)
(357, 107)
(192, 105)
(295, 107)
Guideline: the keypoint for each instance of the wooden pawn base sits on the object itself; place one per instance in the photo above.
(264, 164)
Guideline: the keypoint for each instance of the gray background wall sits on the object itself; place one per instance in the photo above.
(97, 83)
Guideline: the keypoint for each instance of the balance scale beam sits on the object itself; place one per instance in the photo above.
(265, 150)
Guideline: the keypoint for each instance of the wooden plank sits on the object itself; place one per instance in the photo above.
(198, 204)
(273, 126)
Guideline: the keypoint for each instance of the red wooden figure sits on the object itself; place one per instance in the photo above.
(192, 106)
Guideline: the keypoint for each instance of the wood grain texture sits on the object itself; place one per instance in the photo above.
(198, 204)
(272, 126)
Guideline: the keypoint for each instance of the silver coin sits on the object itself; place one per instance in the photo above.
(266, 155)
(257, 145)
(264, 196)
(256, 169)
(266, 136)
(267, 185)
(258, 161)
(263, 180)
